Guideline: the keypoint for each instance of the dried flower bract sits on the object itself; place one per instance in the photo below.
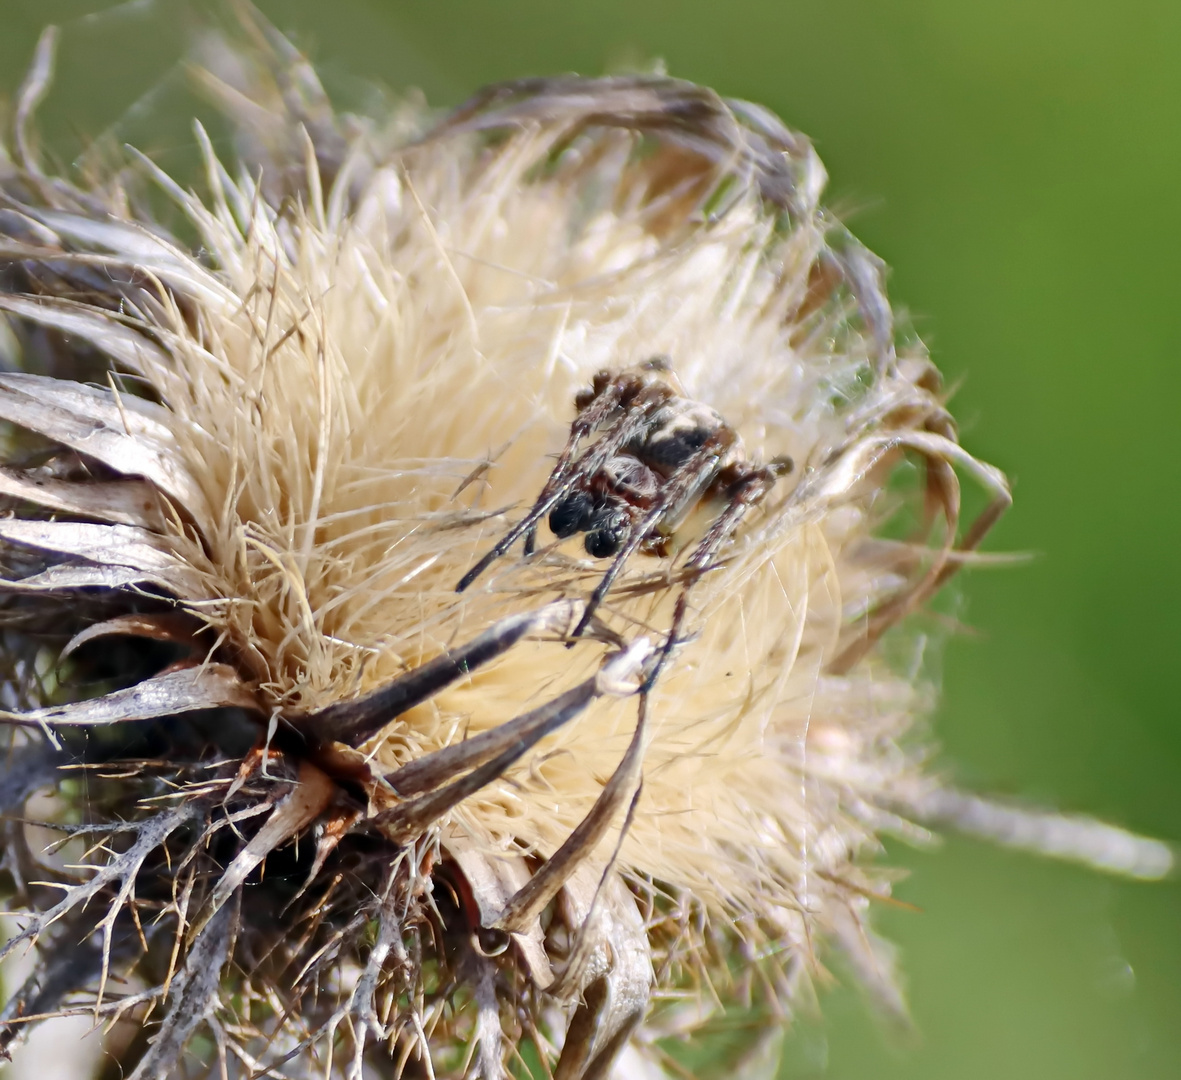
(315, 812)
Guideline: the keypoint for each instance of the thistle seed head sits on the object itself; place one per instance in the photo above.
(339, 818)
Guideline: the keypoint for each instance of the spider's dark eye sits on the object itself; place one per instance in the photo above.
(572, 514)
(608, 531)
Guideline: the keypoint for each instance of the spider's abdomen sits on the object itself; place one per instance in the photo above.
(679, 429)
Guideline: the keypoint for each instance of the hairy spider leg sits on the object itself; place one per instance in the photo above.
(636, 397)
(559, 482)
(743, 493)
(670, 642)
(565, 474)
(635, 538)
(673, 495)
(590, 418)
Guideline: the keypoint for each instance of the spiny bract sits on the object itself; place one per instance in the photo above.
(338, 817)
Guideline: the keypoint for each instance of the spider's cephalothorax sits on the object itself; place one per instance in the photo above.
(658, 456)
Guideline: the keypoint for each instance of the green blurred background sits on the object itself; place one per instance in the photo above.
(1017, 163)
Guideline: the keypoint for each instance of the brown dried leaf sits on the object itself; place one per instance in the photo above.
(122, 502)
(493, 882)
(736, 137)
(409, 819)
(212, 686)
(611, 968)
(173, 626)
(105, 545)
(126, 434)
(353, 722)
(526, 906)
(65, 578)
(520, 733)
(312, 794)
(106, 334)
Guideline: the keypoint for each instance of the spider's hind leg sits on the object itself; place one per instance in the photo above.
(745, 490)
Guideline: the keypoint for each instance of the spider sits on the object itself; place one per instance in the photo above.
(659, 455)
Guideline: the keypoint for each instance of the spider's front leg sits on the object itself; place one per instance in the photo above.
(595, 407)
(668, 501)
(633, 537)
(743, 487)
(593, 414)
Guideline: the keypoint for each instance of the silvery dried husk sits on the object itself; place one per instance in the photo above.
(316, 812)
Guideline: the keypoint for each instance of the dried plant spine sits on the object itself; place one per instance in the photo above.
(340, 817)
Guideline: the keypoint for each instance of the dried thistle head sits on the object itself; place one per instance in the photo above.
(341, 818)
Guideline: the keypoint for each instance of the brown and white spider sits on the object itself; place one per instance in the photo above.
(658, 456)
